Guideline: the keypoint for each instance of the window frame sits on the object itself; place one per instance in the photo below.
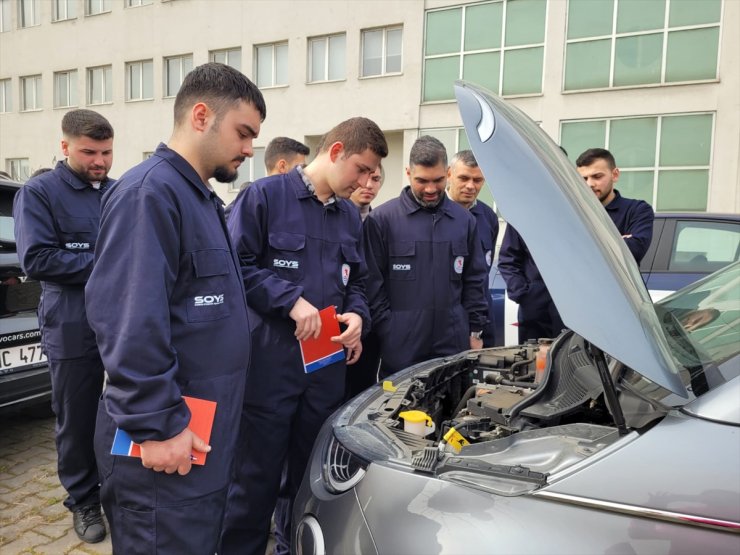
(656, 168)
(36, 9)
(166, 93)
(502, 49)
(327, 55)
(55, 11)
(665, 31)
(15, 173)
(106, 6)
(227, 52)
(138, 3)
(6, 15)
(72, 100)
(38, 97)
(140, 63)
(384, 55)
(89, 85)
(273, 66)
(6, 96)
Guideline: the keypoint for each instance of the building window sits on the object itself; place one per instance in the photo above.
(18, 168)
(271, 61)
(5, 15)
(99, 85)
(231, 57)
(137, 3)
(326, 58)
(31, 98)
(29, 13)
(147, 154)
(381, 51)
(65, 89)
(175, 69)
(663, 160)
(6, 96)
(250, 170)
(499, 45)
(95, 7)
(140, 80)
(64, 9)
(620, 43)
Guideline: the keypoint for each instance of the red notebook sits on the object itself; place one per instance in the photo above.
(322, 351)
(202, 413)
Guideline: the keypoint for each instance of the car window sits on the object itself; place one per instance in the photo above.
(704, 246)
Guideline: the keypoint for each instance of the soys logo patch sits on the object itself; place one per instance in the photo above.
(345, 274)
(77, 246)
(209, 300)
(458, 264)
(401, 267)
(290, 264)
(489, 258)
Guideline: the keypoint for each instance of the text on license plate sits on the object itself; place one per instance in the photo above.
(22, 355)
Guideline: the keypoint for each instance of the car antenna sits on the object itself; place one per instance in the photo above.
(610, 391)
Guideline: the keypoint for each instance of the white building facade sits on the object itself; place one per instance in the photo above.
(655, 81)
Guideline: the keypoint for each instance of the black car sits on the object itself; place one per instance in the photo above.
(24, 373)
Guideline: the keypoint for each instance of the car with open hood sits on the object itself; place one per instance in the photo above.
(622, 435)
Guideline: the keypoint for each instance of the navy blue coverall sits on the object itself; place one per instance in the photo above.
(487, 225)
(427, 280)
(538, 316)
(167, 303)
(56, 226)
(290, 245)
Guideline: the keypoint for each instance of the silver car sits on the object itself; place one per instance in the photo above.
(620, 436)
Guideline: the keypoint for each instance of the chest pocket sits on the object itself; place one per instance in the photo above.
(402, 255)
(210, 286)
(287, 256)
(78, 234)
(459, 257)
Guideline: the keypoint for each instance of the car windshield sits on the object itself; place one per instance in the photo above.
(702, 325)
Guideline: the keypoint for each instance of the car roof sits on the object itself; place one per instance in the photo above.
(698, 215)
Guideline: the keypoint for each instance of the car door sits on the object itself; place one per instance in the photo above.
(689, 248)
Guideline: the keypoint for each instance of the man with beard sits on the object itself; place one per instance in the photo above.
(633, 218)
(427, 274)
(464, 183)
(300, 245)
(167, 304)
(56, 225)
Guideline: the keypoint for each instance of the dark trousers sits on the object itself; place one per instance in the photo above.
(538, 318)
(363, 373)
(76, 385)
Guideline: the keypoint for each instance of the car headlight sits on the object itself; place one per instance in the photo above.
(342, 468)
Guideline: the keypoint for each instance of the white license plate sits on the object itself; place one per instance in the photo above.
(22, 355)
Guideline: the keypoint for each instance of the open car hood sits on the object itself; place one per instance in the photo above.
(590, 273)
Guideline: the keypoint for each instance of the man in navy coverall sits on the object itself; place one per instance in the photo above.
(167, 304)
(427, 273)
(300, 246)
(633, 218)
(464, 183)
(56, 225)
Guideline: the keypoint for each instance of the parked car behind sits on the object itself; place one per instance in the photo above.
(24, 373)
(685, 248)
(622, 437)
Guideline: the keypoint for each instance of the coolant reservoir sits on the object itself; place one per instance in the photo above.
(540, 363)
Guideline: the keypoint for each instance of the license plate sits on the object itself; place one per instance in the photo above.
(22, 355)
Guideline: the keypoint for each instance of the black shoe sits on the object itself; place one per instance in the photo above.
(89, 525)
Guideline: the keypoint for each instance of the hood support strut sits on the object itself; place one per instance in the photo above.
(610, 390)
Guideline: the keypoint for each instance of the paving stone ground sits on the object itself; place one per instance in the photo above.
(32, 518)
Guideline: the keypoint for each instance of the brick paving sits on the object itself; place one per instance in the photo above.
(32, 518)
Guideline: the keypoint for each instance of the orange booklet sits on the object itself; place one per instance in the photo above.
(322, 351)
(202, 413)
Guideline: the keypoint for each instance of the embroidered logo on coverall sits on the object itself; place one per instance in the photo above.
(209, 300)
(458, 264)
(345, 274)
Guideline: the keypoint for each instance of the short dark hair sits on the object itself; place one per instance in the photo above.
(466, 157)
(427, 151)
(357, 135)
(86, 123)
(40, 171)
(221, 87)
(283, 147)
(592, 154)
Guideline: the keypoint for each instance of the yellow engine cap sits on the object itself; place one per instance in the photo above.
(415, 416)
